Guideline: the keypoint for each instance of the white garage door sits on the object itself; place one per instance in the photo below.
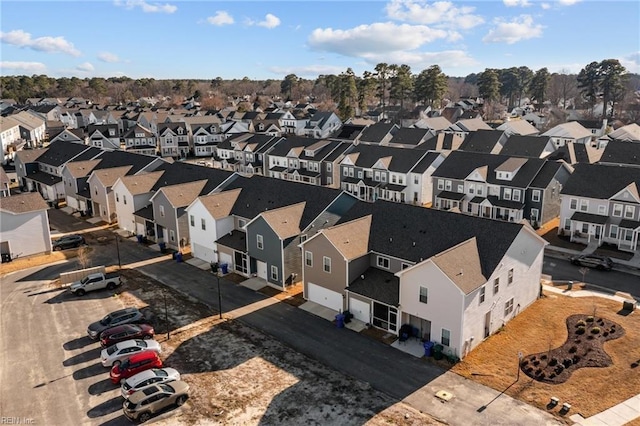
(261, 269)
(201, 252)
(226, 258)
(325, 297)
(360, 310)
(72, 202)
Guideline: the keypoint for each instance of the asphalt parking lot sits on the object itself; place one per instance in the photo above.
(51, 372)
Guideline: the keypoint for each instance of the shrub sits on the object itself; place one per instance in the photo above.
(543, 357)
(553, 361)
(595, 330)
(580, 330)
(581, 323)
(590, 318)
(525, 362)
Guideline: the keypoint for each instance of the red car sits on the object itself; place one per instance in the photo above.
(120, 333)
(137, 363)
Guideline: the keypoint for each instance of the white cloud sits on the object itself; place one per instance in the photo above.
(514, 3)
(220, 18)
(631, 62)
(308, 71)
(29, 67)
(440, 13)
(545, 6)
(108, 57)
(421, 60)
(375, 38)
(568, 2)
(520, 28)
(270, 21)
(43, 44)
(86, 67)
(146, 7)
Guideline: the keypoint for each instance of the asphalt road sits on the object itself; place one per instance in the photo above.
(615, 280)
(50, 373)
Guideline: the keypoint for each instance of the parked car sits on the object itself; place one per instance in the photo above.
(593, 261)
(113, 335)
(96, 281)
(115, 354)
(143, 404)
(148, 378)
(68, 241)
(134, 365)
(122, 316)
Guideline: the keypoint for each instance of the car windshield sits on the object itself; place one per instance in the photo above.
(166, 388)
(161, 373)
(112, 349)
(106, 320)
(141, 343)
(130, 405)
(84, 280)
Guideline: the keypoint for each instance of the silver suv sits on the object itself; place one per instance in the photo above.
(593, 261)
(149, 401)
(122, 316)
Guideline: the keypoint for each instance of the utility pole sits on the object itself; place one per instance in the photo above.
(118, 250)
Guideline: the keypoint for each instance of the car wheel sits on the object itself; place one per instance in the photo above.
(180, 401)
(143, 417)
(111, 286)
(81, 292)
(115, 363)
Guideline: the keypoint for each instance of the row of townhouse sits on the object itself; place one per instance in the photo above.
(387, 263)
(19, 130)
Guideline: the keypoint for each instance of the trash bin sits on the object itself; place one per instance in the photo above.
(178, 257)
(139, 237)
(437, 352)
(340, 320)
(428, 346)
(173, 255)
(224, 267)
(163, 247)
(6, 257)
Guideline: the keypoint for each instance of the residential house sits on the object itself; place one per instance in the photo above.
(104, 136)
(528, 146)
(409, 137)
(436, 124)
(598, 128)
(48, 112)
(378, 134)
(621, 153)
(321, 125)
(568, 132)
(349, 132)
(140, 140)
(24, 226)
(442, 142)
(495, 186)
(84, 117)
(42, 170)
(32, 127)
(205, 139)
(371, 172)
(518, 127)
(69, 119)
(537, 119)
(67, 135)
(455, 279)
(5, 183)
(244, 153)
(308, 160)
(9, 138)
(100, 184)
(601, 204)
(628, 133)
(573, 153)
(174, 140)
(133, 193)
(487, 141)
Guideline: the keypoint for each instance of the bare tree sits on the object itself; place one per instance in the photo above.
(83, 259)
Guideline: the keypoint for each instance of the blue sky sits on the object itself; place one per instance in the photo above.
(184, 39)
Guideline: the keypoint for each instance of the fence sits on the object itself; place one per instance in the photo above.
(69, 277)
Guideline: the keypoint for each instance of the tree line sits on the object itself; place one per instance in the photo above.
(349, 94)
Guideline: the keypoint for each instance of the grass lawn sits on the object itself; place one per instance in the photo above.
(542, 327)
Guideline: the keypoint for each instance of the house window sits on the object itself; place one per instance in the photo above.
(360, 174)
(326, 264)
(629, 212)
(192, 220)
(345, 171)
(613, 231)
(124, 199)
(424, 294)
(385, 316)
(534, 214)
(274, 273)
(440, 184)
(447, 185)
(404, 265)
(516, 195)
(584, 205)
(482, 294)
(535, 196)
(508, 307)
(161, 210)
(259, 242)
(350, 171)
(308, 258)
(602, 209)
(507, 193)
(510, 277)
(328, 167)
(383, 262)
(460, 189)
(567, 224)
(573, 204)
(117, 198)
(172, 235)
(203, 224)
(416, 180)
(472, 188)
(95, 189)
(617, 210)
(446, 337)
(241, 223)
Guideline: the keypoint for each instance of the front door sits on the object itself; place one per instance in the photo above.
(487, 324)
(261, 269)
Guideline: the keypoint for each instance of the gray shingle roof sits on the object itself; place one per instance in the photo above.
(481, 141)
(600, 181)
(402, 159)
(621, 153)
(525, 146)
(378, 285)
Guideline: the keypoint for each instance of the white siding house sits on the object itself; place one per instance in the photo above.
(24, 225)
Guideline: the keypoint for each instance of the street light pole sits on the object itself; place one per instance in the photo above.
(166, 314)
(219, 295)
(118, 250)
(519, 365)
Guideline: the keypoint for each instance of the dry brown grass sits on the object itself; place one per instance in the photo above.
(542, 327)
(37, 260)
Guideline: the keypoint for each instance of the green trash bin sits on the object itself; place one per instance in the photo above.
(437, 352)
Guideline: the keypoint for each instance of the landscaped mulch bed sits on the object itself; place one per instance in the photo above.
(583, 348)
(561, 241)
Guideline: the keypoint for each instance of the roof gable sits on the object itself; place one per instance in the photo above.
(461, 264)
(181, 195)
(285, 221)
(351, 239)
(142, 183)
(630, 193)
(23, 203)
(220, 204)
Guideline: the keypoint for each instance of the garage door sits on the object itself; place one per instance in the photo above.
(261, 269)
(226, 258)
(325, 297)
(360, 310)
(201, 252)
(72, 202)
